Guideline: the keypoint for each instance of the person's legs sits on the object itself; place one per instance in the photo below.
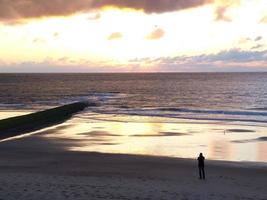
(203, 172)
(200, 172)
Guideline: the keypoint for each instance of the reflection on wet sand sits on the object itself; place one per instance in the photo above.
(220, 149)
(7, 114)
(129, 135)
(159, 134)
(261, 151)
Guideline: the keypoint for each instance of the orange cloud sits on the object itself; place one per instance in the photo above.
(222, 8)
(244, 40)
(115, 36)
(156, 34)
(220, 14)
(55, 34)
(264, 20)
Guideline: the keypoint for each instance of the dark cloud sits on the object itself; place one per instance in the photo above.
(247, 39)
(115, 36)
(156, 34)
(258, 38)
(12, 10)
(152, 6)
(258, 46)
(17, 9)
(254, 43)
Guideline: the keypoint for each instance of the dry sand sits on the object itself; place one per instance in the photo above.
(32, 168)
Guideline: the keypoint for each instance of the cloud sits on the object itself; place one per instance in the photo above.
(258, 38)
(244, 40)
(254, 43)
(231, 60)
(233, 55)
(156, 34)
(247, 39)
(115, 36)
(13, 10)
(55, 34)
(264, 20)
(234, 60)
(258, 46)
(237, 55)
(39, 40)
(61, 65)
(220, 14)
(152, 6)
(95, 17)
(222, 8)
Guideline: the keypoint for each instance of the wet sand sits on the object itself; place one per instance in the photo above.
(35, 168)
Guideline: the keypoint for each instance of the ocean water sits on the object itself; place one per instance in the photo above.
(223, 115)
(224, 96)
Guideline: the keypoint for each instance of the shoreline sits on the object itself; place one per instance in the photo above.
(92, 132)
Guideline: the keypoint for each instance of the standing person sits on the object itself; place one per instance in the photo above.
(201, 166)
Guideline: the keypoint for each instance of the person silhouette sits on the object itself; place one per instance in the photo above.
(201, 166)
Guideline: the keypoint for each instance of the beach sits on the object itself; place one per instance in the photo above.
(34, 167)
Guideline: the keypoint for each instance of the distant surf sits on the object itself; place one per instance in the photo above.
(186, 113)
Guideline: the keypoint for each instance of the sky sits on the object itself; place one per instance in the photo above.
(133, 35)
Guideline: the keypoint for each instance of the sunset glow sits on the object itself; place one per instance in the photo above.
(121, 38)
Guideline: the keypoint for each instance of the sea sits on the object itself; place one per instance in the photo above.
(229, 107)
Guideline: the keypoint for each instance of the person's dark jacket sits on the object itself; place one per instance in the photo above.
(201, 161)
